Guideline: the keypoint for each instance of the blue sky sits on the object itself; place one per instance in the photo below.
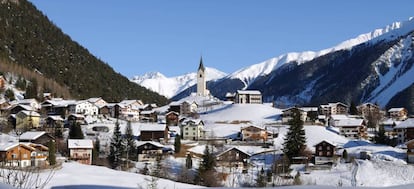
(136, 37)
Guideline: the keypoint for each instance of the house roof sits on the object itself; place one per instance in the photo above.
(261, 128)
(56, 118)
(195, 121)
(254, 92)
(152, 127)
(29, 113)
(172, 112)
(80, 143)
(349, 122)
(327, 141)
(32, 135)
(395, 109)
(157, 144)
(25, 107)
(408, 123)
(10, 145)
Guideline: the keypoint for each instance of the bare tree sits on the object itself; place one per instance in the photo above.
(27, 177)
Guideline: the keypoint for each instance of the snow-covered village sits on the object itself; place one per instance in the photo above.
(203, 141)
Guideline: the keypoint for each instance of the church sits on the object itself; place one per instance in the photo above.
(201, 80)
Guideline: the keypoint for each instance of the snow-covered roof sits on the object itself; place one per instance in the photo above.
(55, 118)
(25, 107)
(408, 123)
(339, 116)
(31, 135)
(147, 112)
(309, 109)
(94, 100)
(327, 141)
(250, 92)
(349, 122)
(29, 113)
(195, 121)
(80, 143)
(396, 109)
(157, 144)
(152, 127)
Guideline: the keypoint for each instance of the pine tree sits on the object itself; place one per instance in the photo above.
(129, 141)
(177, 144)
(115, 148)
(32, 89)
(381, 138)
(52, 152)
(353, 109)
(295, 138)
(188, 162)
(208, 160)
(75, 131)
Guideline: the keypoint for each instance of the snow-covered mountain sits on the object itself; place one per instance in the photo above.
(170, 86)
(373, 67)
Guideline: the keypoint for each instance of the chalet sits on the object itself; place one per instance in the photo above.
(57, 106)
(324, 152)
(99, 102)
(27, 120)
(149, 150)
(148, 116)
(54, 124)
(151, 132)
(31, 102)
(333, 109)
(352, 128)
(410, 151)
(254, 133)
(104, 110)
(233, 156)
(128, 109)
(399, 114)
(248, 97)
(367, 109)
(16, 108)
(83, 107)
(288, 113)
(188, 108)
(80, 150)
(23, 155)
(192, 129)
(76, 118)
(172, 118)
(37, 137)
(175, 107)
(230, 97)
(405, 130)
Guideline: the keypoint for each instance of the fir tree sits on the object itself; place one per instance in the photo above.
(208, 160)
(75, 131)
(115, 148)
(188, 162)
(32, 89)
(52, 152)
(295, 138)
(129, 141)
(381, 138)
(353, 109)
(177, 144)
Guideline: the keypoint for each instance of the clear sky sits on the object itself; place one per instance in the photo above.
(139, 36)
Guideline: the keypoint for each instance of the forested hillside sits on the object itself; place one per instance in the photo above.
(31, 40)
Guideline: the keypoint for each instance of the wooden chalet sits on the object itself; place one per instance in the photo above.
(324, 152)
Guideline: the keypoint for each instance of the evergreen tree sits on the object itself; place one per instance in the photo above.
(52, 152)
(353, 109)
(9, 94)
(208, 160)
(129, 141)
(96, 151)
(31, 90)
(261, 179)
(295, 138)
(177, 144)
(188, 162)
(381, 138)
(75, 131)
(115, 148)
(345, 155)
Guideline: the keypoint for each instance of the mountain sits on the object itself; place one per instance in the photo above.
(29, 40)
(171, 86)
(373, 67)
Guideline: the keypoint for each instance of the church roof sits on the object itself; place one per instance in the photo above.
(201, 66)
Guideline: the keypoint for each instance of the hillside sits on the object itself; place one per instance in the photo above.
(373, 67)
(30, 39)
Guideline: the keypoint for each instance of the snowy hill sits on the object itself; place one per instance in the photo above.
(170, 86)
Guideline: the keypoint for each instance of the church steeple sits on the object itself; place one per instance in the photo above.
(201, 66)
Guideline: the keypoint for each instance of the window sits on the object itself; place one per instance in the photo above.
(320, 148)
(14, 156)
(194, 129)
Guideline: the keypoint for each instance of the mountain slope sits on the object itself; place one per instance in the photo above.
(169, 87)
(29, 39)
(373, 67)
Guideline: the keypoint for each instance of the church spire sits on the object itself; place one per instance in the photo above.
(201, 66)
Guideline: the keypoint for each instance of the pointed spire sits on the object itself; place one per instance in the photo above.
(201, 66)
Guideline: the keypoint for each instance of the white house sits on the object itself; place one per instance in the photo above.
(248, 97)
(192, 129)
(83, 107)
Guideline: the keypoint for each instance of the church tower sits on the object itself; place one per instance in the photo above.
(201, 80)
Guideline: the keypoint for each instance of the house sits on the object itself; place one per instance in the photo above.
(188, 108)
(288, 113)
(57, 106)
(54, 124)
(37, 137)
(231, 97)
(405, 130)
(31, 102)
(16, 108)
(333, 109)
(324, 152)
(254, 133)
(399, 114)
(148, 116)
(80, 150)
(172, 118)
(26, 120)
(248, 97)
(410, 151)
(83, 107)
(149, 150)
(23, 155)
(76, 118)
(154, 132)
(99, 102)
(368, 109)
(192, 129)
(352, 128)
(233, 156)
(128, 109)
